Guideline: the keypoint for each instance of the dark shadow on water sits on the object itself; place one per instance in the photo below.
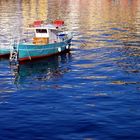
(42, 70)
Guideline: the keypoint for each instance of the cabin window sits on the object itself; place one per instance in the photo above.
(41, 31)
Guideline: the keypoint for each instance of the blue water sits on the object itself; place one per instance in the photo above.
(90, 93)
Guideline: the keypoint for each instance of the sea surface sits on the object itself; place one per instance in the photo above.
(90, 93)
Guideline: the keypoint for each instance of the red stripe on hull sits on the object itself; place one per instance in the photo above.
(22, 60)
(4, 55)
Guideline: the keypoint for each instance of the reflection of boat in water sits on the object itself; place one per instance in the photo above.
(42, 70)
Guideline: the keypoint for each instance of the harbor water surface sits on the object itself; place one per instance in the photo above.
(90, 93)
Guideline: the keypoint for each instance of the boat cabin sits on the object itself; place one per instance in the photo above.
(46, 34)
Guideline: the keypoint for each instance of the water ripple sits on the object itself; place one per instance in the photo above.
(91, 92)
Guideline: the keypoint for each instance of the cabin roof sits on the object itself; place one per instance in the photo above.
(47, 26)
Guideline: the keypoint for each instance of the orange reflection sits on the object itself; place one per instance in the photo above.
(34, 10)
(95, 12)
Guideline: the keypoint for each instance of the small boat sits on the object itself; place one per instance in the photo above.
(47, 40)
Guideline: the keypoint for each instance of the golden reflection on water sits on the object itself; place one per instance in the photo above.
(79, 15)
(117, 11)
(87, 12)
(103, 16)
(34, 10)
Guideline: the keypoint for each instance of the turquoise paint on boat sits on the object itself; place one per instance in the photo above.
(4, 52)
(31, 51)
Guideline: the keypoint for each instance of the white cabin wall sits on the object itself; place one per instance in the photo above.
(52, 37)
(42, 35)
